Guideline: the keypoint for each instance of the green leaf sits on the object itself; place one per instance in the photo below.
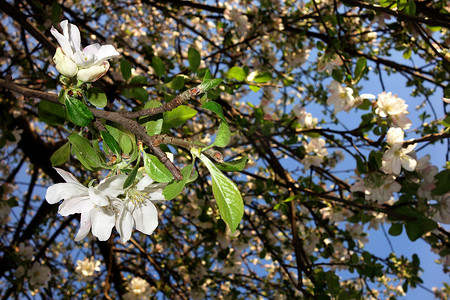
(131, 177)
(177, 83)
(125, 69)
(51, 113)
(263, 77)
(96, 97)
(126, 139)
(396, 229)
(228, 197)
(415, 229)
(140, 93)
(140, 79)
(177, 116)
(254, 88)
(111, 142)
(361, 165)
(56, 11)
(174, 188)
(61, 155)
(442, 183)
(85, 153)
(154, 126)
(156, 169)
(159, 66)
(361, 65)
(207, 76)
(210, 84)
(194, 59)
(446, 121)
(233, 166)
(215, 108)
(236, 73)
(78, 112)
(223, 135)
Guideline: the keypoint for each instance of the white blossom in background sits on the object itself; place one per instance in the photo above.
(305, 119)
(89, 64)
(324, 65)
(25, 251)
(138, 289)
(240, 20)
(396, 156)
(395, 107)
(426, 172)
(38, 275)
(377, 187)
(315, 153)
(342, 98)
(86, 268)
(442, 214)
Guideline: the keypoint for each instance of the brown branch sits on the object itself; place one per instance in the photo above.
(433, 137)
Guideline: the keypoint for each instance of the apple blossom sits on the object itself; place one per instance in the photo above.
(137, 209)
(396, 156)
(442, 214)
(342, 98)
(92, 203)
(38, 275)
(395, 107)
(377, 187)
(138, 289)
(91, 62)
(315, 152)
(87, 267)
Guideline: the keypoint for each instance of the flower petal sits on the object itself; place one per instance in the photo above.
(85, 226)
(408, 163)
(124, 225)
(97, 197)
(93, 73)
(75, 205)
(72, 34)
(144, 182)
(146, 217)
(68, 177)
(112, 186)
(106, 52)
(103, 220)
(63, 42)
(60, 191)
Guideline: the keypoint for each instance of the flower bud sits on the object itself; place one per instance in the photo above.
(93, 73)
(64, 64)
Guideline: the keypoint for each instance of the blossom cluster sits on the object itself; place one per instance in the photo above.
(88, 64)
(108, 205)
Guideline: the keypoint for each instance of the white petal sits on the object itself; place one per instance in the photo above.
(106, 52)
(146, 217)
(396, 166)
(92, 49)
(156, 195)
(75, 205)
(408, 163)
(60, 191)
(124, 226)
(84, 60)
(93, 73)
(97, 197)
(144, 182)
(72, 33)
(102, 223)
(68, 177)
(85, 226)
(112, 186)
(63, 42)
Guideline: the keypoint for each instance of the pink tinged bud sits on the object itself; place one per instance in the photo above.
(93, 73)
(64, 64)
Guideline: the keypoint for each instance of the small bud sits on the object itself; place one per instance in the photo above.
(93, 73)
(64, 64)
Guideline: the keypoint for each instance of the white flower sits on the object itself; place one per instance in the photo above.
(391, 105)
(93, 58)
(138, 289)
(315, 153)
(64, 64)
(137, 208)
(87, 267)
(329, 65)
(443, 210)
(304, 118)
(38, 275)
(377, 187)
(92, 203)
(342, 98)
(396, 156)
